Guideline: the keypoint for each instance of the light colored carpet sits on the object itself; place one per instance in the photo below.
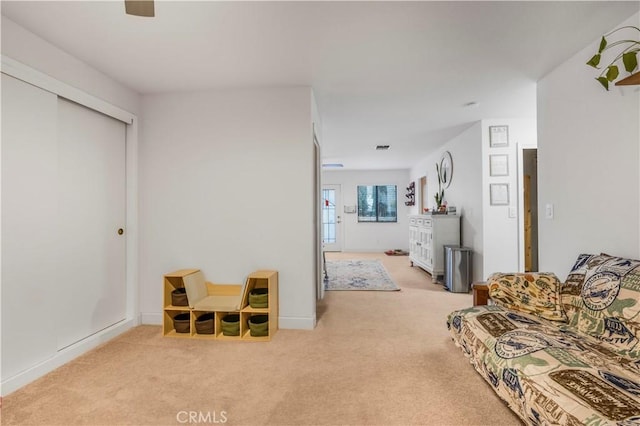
(375, 358)
(358, 274)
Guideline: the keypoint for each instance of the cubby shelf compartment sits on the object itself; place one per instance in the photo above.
(174, 281)
(244, 325)
(167, 323)
(258, 279)
(194, 316)
(218, 326)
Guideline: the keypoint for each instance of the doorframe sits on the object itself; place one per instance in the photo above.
(45, 82)
(317, 213)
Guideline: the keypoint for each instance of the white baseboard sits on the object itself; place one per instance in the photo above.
(151, 318)
(63, 356)
(296, 323)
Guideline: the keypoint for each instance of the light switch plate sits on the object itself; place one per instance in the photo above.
(548, 211)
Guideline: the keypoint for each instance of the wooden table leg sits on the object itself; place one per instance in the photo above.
(480, 294)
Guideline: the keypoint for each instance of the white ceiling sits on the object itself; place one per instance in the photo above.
(394, 73)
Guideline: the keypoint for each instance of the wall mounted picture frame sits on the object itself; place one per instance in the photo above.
(499, 194)
(498, 136)
(499, 165)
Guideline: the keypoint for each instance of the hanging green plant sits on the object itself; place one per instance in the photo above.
(627, 50)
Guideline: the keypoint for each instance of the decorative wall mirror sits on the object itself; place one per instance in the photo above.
(446, 169)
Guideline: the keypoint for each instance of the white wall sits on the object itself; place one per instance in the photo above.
(491, 231)
(465, 191)
(226, 184)
(29, 49)
(371, 237)
(588, 156)
(500, 223)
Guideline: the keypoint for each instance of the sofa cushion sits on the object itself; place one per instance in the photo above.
(573, 284)
(601, 298)
(535, 293)
(544, 371)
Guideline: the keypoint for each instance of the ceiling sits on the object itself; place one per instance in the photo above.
(391, 73)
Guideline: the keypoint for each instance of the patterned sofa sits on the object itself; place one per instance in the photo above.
(560, 353)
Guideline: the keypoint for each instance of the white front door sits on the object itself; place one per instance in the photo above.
(331, 218)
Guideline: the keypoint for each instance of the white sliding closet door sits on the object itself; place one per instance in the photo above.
(91, 288)
(29, 223)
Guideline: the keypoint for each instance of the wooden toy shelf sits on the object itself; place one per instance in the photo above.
(258, 279)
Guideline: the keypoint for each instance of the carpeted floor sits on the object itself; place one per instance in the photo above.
(358, 274)
(375, 358)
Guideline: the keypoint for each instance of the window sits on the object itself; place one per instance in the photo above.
(377, 203)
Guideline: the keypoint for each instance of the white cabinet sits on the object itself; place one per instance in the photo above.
(414, 247)
(428, 234)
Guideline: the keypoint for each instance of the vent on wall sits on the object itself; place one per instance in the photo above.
(382, 147)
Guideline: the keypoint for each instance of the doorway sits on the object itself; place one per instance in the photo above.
(331, 218)
(529, 223)
(423, 195)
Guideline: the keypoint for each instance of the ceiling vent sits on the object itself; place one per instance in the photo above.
(333, 165)
(382, 147)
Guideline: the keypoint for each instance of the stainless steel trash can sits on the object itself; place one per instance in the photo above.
(457, 268)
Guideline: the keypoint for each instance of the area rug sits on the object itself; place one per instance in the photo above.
(358, 275)
(396, 252)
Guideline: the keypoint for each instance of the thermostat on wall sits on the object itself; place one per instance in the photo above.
(349, 209)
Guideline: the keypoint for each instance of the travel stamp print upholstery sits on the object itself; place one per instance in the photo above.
(546, 371)
(536, 293)
(601, 298)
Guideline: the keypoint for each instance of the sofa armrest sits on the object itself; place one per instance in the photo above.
(480, 293)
